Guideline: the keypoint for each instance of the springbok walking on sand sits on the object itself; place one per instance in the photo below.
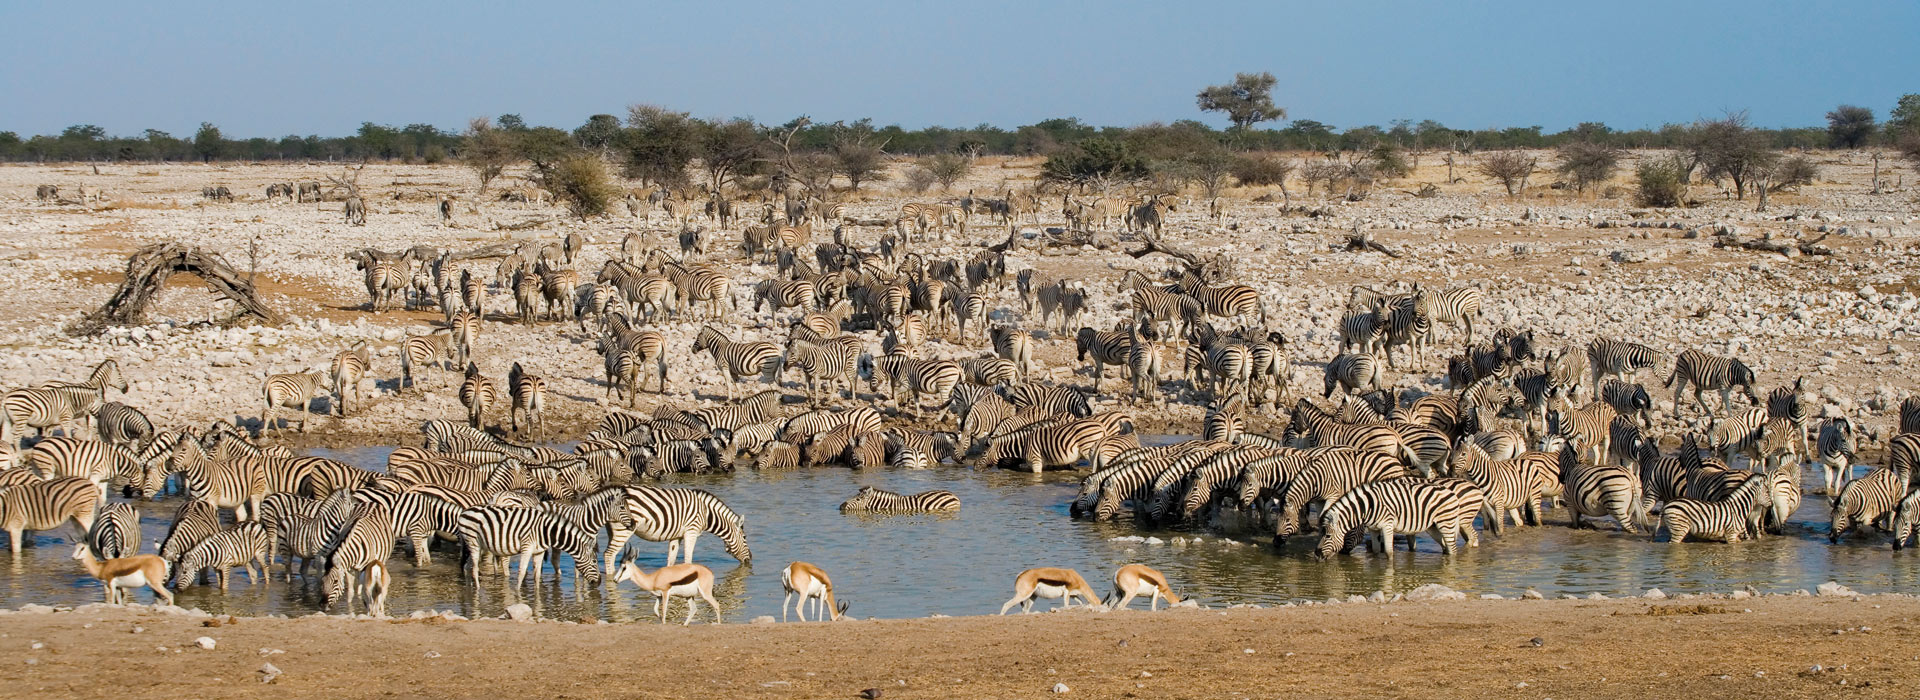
(1137, 580)
(126, 573)
(667, 582)
(812, 584)
(1049, 582)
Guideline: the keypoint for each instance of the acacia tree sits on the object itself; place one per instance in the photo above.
(856, 155)
(1729, 148)
(1588, 164)
(208, 143)
(599, 133)
(486, 151)
(729, 149)
(1247, 101)
(659, 144)
(1850, 126)
(1511, 168)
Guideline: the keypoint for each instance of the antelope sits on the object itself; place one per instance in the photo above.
(810, 583)
(684, 580)
(1049, 582)
(1139, 579)
(126, 573)
(373, 586)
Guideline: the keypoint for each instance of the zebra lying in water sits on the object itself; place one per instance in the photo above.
(881, 501)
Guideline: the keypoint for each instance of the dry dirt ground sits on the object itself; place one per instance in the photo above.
(1570, 266)
(1771, 647)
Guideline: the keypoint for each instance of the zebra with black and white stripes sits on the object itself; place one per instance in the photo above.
(874, 500)
(1730, 519)
(1402, 323)
(97, 462)
(911, 377)
(1792, 403)
(84, 399)
(1509, 490)
(365, 539)
(242, 545)
(1354, 372)
(464, 326)
(526, 393)
(1457, 306)
(1014, 345)
(784, 294)
(348, 368)
(1104, 347)
(422, 353)
(1834, 449)
(492, 534)
(1628, 399)
(1175, 311)
(1386, 508)
(989, 371)
(1710, 372)
(120, 424)
(292, 390)
(1869, 500)
(45, 505)
(115, 532)
(756, 358)
(678, 516)
(478, 394)
(1598, 491)
(225, 485)
(1328, 474)
(831, 361)
(1066, 297)
(1613, 357)
(38, 408)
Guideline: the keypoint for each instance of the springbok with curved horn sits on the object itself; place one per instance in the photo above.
(1140, 580)
(1049, 582)
(812, 584)
(667, 582)
(123, 574)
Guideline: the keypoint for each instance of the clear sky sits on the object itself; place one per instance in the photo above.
(270, 68)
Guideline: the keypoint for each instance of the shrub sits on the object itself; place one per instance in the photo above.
(1389, 160)
(920, 179)
(1794, 172)
(1588, 164)
(1255, 171)
(582, 181)
(1095, 159)
(947, 168)
(1660, 183)
(1511, 168)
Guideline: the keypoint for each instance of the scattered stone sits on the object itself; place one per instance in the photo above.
(1834, 589)
(762, 620)
(1538, 642)
(205, 643)
(520, 612)
(1061, 688)
(1434, 591)
(1656, 594)
(1532, 594)
(269, 672)
(872, 693)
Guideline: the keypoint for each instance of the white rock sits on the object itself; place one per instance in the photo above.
(1434, 591)
(1656, 594)
(205, 642)
(520, 612)
(762, 620)
(1061, 688)
(1833, 588)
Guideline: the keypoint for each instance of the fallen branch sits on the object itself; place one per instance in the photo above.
(521, 226)
(1210, 269)
(1363, 241)
(1783, 246)
(147, 272)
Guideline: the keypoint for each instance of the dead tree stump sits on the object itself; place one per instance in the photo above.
(148, 270)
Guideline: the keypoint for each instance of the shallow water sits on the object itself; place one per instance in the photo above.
(963, 564)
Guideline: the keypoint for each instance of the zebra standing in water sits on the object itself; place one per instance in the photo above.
(1710, 372)
(1730, 519)
(756, 358)
(527, 394)
(1834, 449)
(1869, 499)
(493, 533)
(1597, 491)
(1610, 357)
(874, 500)
(297, 390)
(241, 545)
(115, 532)
(44, 505)
(679, 515)
(1387, 508)
(478, 394)
(349, 367)
(366, 539)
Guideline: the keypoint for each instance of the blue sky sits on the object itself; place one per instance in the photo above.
(265, 68)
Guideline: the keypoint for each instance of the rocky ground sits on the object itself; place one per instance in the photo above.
(1432, 644)
(1571, 267)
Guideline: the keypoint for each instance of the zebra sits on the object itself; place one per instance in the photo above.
(84, 399)
(1228, 301)
(1149, 214)
(971, 306)
(1457, 306)
(120, 424)
(1792, 403)
(1597, 491)
(1361, 331)
(364, 540)
(1104, 347)
(1835, 450)
(1509, 489)
(1050, 399)
(989, 371)
(700, 284)
(737, 359)
(1910, 414)
(790, 294)
(473, 293)
(224, 485)
(1906, 521)
(1706, 371)
(1354, 372)
(1065, 297)
(1143, 365)
(1177, 312)
(1731, 519)
(477, 394)
(115, 532)
(241, 545)
(1782, 495)
(384, 277)
(527, 393)
(874, 500)
(39, 408)
(1387, 508)
(295, 390)
(45, 505)
(493, 533)
(97, 462)
(1608, 356)
(420, 353)
(1040, 447)
(625, 359)
(1402, 323)
(464, 327)
(831, 361)
(303, 524)
(1740, 432)
(917, 377)
(1326, 476)
(1016, 346)
(1868, 500)
(1225, 363)
(348, 368)
(1628, 400)
(660, 514)
(1589, 428)
(193, 523)
(356, 211)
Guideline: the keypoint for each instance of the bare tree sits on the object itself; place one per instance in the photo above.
(1511, 168)
(857, 156)
(487, 151)
(1729, 148)
(948, 168)
(1588, 164)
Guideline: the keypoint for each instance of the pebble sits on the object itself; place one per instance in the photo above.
(269, 672)
(762, 620)
(205, 642)
(520, 612)
(1656, 594)
(1061, 688)
(1834, 589)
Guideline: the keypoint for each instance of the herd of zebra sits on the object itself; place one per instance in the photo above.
(1508, 438)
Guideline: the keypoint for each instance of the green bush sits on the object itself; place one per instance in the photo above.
(1660, 183)
(1255, 171)
(1794, 172)
(583, 182)
(1095, 159)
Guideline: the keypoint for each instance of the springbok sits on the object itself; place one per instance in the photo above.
(1049, 582)
(1136, 580)
(684, 580)
(126, 573)
(812, 584)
